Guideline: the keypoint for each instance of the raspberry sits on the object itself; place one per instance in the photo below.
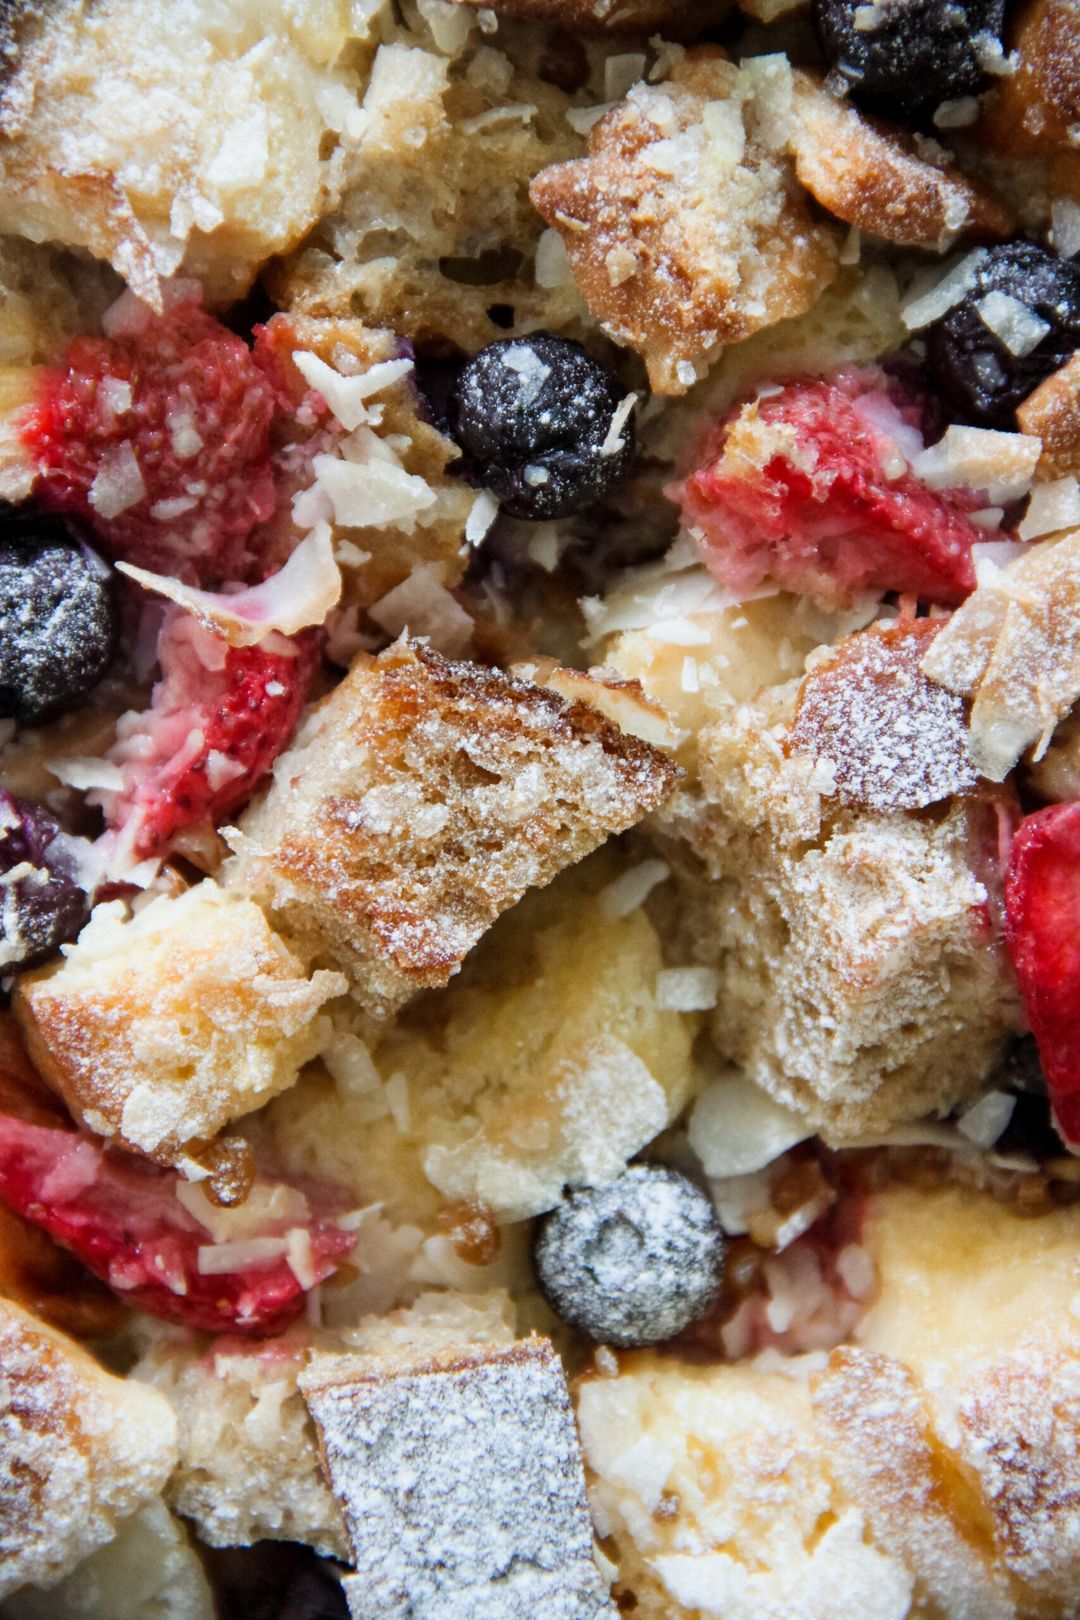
(811, 490)
(1042, 910)
(122, 1218)
(158, 438)
(218, 719)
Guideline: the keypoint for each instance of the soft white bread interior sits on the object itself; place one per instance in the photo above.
(149, 1571)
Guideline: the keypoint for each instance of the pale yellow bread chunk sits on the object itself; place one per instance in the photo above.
(162, 1028)
(80, 1451)
(931, 1469)
(955, 1421)
(202, 136)
(455, 1104)
(685, 226)
(420, 800)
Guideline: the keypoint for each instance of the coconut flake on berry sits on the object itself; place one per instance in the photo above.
(42, 903)
(157, 436)
(810, 487)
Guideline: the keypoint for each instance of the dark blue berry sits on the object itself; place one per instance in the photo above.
(58, 619)
(532, 416)
(981, 379)
(920, 53)
(632, 1263)
(46, 906)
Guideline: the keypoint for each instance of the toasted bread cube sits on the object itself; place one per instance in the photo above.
(863, 981)
(160, 1029)
(879, 180)
(685, 227)
(421, 799)
(248, 1467)
(460, 1482)
(80, 1451)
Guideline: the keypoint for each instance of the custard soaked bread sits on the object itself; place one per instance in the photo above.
(539, 809)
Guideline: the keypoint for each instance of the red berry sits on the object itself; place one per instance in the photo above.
(122, 1218)
(1042, 908)
(218, 719)
(810, 489)
(180, 403)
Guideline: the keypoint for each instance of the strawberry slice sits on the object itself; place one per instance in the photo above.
(158, 437)
(811, 489)
(1042, 909)
(218, 719)
(122, 1218)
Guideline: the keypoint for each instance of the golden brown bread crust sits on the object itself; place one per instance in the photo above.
(879, 179)
(160, 1030)
(1035, 109)
(1052, 413)
(422, 799)
(79, 1451)
(683, 237)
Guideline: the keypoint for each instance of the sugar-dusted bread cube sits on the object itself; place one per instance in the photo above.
(460, 1482)
(454, 1104)
(80, 1451)
(161, 1028)
(685, 226)
(248, 1467)
(420, 800)
(150, 1571)
(863, 979)
(930, 1468)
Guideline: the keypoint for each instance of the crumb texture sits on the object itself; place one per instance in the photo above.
(421, 799)
(163, 1028)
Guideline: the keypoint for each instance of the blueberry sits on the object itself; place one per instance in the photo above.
(919, 54)
(58, 619)
(42, 909)
(532, 416)
(632, 1263)
(982, 380)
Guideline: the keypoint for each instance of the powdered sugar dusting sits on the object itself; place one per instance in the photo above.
(461, 1485)
(891, 739)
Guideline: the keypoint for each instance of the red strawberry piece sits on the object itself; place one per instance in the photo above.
(1042, 910)
(158, 438)
(810, 489)
(218, 719)
(122, 1218)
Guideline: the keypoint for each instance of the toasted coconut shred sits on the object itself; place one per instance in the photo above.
(539, 639)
